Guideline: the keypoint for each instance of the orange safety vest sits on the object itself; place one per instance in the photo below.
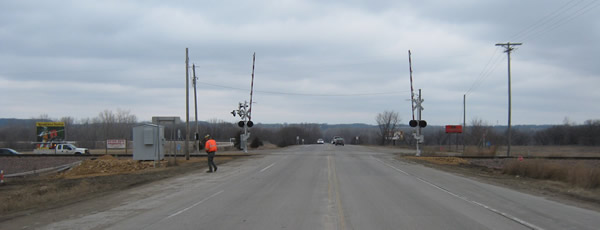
(210, 146)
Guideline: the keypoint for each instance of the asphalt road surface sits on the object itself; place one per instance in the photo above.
(316, 187)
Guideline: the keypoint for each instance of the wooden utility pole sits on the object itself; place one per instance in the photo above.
(196, 142)
(509, 48)
(464, 121)
(187, 106)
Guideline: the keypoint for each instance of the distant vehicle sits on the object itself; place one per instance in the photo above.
(62, 149)
(333, 139)
(7, 151)
(339, 141)
(320, 141)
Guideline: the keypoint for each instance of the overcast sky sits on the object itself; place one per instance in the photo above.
(316, 61)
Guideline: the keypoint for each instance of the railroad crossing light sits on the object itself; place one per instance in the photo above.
(250, 124)
(241, 124)
(197, 136)
(413, 123)
(233, 113)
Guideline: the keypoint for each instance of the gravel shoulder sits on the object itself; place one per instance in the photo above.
(20, 196)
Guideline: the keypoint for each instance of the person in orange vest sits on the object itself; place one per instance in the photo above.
(211, 148)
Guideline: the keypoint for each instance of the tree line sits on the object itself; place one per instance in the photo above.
(480, 133)
(87, 132)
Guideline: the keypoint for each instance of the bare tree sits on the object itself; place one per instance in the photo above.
(388, 123)
(69, 121)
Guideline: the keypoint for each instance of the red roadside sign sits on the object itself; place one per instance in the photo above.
(454, 129)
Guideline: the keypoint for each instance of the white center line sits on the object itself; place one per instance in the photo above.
(271, 165)
(194, 205)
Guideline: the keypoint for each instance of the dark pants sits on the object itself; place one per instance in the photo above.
(211, 163)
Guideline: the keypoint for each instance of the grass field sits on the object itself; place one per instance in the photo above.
(525, 151)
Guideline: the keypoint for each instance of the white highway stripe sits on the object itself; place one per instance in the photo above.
(194, 205)
(506, 215)
(391, 166)
(271, 165)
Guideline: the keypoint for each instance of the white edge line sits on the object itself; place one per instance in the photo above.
(194, 205)
(271, 165)
(391, 166)
(506, 215)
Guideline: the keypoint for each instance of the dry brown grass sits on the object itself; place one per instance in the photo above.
(440, 160)
(577, 174)
(452, 151)
(478, 151)
(552, 151)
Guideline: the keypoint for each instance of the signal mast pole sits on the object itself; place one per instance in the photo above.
(416, 105)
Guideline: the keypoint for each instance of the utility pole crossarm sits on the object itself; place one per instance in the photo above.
(509, 45)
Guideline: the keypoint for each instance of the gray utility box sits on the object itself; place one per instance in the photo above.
(148, 142)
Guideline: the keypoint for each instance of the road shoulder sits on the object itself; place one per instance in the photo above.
(552, 190)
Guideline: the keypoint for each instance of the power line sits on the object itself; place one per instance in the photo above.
(545, 19)
(543, 25)
(306, 94)
(555, 19)
(489, 68)
(557, 24)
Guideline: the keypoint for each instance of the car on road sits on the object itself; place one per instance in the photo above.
(333, 139)
(320, 141)
(339, 141)
(7, 151)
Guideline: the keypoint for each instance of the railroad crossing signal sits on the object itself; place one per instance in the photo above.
(244, 114)
(415, 123)
(245, 123)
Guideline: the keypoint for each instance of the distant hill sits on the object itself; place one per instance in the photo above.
(17, 122)
(323, 126)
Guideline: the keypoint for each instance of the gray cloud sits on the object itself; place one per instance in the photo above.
(87, 56)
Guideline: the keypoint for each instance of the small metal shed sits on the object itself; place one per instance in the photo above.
(148, 142)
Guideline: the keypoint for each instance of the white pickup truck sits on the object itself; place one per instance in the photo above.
(63, 149)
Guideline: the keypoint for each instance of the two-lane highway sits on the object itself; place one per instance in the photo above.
(317, 187)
